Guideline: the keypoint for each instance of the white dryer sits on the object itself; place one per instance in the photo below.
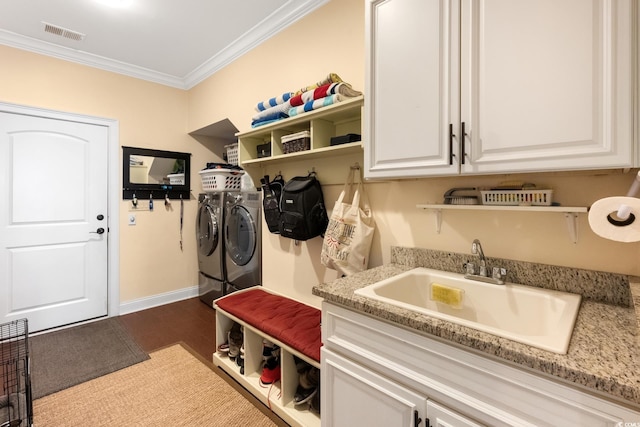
(209, 227)
(243, 239)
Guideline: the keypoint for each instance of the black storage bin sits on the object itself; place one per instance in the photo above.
(264, 150)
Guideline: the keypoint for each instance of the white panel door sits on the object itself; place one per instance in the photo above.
(546, 84)
(412, 88)
(355, 396)
(53, 220)
(441, 416)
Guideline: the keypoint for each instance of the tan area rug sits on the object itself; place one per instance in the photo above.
(173, 388)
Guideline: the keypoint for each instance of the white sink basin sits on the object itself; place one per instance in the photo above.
(538, 317)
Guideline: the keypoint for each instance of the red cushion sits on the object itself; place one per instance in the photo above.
(291, 322)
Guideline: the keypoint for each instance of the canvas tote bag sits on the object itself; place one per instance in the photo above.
(348, 237)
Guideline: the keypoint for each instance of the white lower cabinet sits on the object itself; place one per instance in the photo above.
(355, 396)
(377, 374)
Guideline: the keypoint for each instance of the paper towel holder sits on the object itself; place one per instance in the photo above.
(624, 212)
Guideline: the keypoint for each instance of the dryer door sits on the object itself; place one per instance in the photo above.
(207, 230)
(241, 235)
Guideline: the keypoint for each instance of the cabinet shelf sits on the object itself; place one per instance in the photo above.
(352, 147)
(570, 213)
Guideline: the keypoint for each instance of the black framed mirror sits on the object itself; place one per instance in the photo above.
(157, 173)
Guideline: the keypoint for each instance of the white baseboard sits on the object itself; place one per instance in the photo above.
(157, 300)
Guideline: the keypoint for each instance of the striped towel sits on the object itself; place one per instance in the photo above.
(331, 78)
(280, 108)
(316, 103)
(323, 91)
(272, 102)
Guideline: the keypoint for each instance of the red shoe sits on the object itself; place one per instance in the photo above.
(270, 376)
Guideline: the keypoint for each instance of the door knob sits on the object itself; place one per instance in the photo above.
(99, 231)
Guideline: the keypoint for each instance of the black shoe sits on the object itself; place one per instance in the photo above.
(314, 405)
(235, 339)
(303, 395)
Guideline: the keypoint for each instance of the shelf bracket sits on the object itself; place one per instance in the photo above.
(438, 213)
(572, 225)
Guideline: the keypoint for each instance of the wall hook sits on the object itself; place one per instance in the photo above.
(134, 201)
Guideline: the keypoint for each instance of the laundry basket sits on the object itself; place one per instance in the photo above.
(220, 180)
(232, 154)
(16, 405)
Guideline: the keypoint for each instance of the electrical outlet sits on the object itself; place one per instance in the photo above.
(132, 219)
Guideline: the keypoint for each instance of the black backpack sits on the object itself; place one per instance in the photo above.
(272, 194)
(303, 214)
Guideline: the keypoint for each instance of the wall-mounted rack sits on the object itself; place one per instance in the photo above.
(570, 213)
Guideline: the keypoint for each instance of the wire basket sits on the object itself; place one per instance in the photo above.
(221, 179)
(16, 405)
(517, 197)
(296, 142)
(232, 154)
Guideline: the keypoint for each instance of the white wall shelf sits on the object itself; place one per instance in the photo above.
(570, 213)
(342, 118)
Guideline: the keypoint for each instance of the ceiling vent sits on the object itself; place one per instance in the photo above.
(63, 32)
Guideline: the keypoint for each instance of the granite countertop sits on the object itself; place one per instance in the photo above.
(602, 356)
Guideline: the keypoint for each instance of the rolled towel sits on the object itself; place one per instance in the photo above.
(271, 111)
(331, 78)
(316, 104)
(272, 102)
(324, 91)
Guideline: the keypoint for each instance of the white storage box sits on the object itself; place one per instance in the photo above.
(221, 179)
(517, 197)
(176, 179)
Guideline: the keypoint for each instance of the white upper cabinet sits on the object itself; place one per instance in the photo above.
(513, 85)
(412, 87)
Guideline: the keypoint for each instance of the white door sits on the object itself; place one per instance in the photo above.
(53, 220)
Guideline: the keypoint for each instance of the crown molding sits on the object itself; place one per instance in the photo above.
(280, 19)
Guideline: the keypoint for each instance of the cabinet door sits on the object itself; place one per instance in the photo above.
(546, 84)
(440, 416)
(354, 396)
(412, 87)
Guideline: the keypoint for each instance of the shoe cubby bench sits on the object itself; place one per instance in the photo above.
(290, 324)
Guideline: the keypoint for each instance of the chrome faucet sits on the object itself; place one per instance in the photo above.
(476, 249)
(497, 273)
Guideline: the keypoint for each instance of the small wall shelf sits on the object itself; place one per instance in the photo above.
(339, 119)
(570, 213)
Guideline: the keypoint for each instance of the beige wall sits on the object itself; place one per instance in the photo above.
(150, 116)
(329, 40)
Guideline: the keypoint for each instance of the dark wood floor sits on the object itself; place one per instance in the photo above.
(190, 321)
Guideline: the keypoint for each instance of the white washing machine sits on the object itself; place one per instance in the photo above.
(209, 238)
(243, 239)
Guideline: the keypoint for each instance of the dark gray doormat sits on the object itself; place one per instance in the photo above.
(71, 356)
